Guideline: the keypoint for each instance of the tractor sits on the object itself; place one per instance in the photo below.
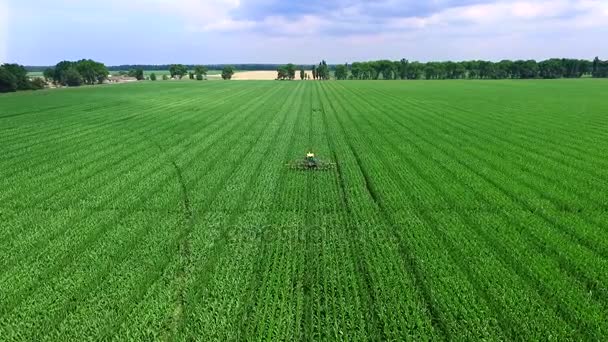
(311, 162)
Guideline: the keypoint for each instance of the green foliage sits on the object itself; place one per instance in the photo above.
(152, 77)
(8, 81)
(92, 72)
(165, 77)
(138, 73)
(200, 70)
(302, 74)
(178, 70)
(505, 69)
(321, 72)
(282, 73)
(20, 74)
(89, 72)
(49, 74)
(291, 71)
(71, 77)
(199, 77)
(227, 72)
(341, 72)
(37, 83)
(599, 68)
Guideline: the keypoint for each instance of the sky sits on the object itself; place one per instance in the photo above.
(44, 32)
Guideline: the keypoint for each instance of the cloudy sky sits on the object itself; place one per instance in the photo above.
(42, 32)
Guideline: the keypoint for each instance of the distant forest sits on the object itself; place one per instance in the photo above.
(150, 67)
(404, 69)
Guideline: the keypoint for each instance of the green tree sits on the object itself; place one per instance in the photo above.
(282, 73)
(302, 74)
(402, 69)
(178, 70)
(20, 74)
(596, 64)
(8, 81)
(137, 73)
(227, 72)
(152, 77)
(92, 72)
(323, 71)
(38, 83)
(49, 74)
(200, 72)
(72, 77)
(165, 77)
(291, 71)
(341, 72)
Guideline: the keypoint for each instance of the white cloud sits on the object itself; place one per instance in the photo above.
(203, 15)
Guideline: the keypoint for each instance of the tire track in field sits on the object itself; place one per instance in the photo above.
(527, 276)
(219, 244)
(111, 326)
(503, 321)
(215, 141)
(532, 150)
(363, 272)
(537, 134)
(256, 284)
(590, 244)
(309, 251)
(134, 133)
(184, 252)
(172, 322)
(586, 242)
(403, 246)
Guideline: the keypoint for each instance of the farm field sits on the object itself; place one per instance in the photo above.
(456, 210)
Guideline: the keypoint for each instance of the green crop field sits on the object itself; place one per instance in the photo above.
(456, 210)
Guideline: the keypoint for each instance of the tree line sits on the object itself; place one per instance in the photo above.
(14, 77)
(505, 69)
(73, 74)
(599, 68)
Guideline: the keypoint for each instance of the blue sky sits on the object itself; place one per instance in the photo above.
(37, 32)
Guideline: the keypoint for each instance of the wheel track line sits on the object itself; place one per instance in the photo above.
(504, 322)
(486, 137)
(360, 264)
(472, 130)
(184, 247)
(143, 290)
(155, 169)
(99, 233)
(260, 264)
(405, 250)
(526, 276)
(589, 244)
(529, 150)
(555, 201)
(219, 244)
(537, 133)
(136, 134)
(574, 271)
